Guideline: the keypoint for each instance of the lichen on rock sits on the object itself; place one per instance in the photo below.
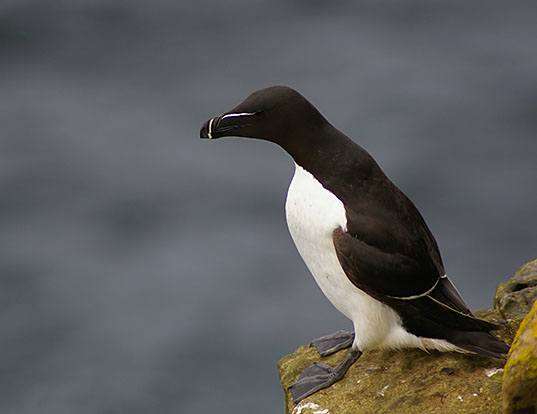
(412, 381)
(520, 376)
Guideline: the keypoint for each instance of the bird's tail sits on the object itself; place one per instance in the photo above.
(481, 343)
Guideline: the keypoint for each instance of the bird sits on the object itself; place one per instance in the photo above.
(363, 240)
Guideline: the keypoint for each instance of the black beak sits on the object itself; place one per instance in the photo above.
(204, 131)
(228, 124)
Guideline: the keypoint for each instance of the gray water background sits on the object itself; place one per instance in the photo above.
(146, 271)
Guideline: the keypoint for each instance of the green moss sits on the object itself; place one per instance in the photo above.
(385, 382)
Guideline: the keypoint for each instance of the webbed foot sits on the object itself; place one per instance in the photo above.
(330, 344)
(319, 376)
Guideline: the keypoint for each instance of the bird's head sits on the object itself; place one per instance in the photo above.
(278, 114)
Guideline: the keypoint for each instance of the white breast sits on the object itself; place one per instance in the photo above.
(313, 213)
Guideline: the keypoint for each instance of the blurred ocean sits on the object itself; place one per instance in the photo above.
(146, 271)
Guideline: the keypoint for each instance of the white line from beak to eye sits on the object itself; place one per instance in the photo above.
(238, 114)
(210, 132)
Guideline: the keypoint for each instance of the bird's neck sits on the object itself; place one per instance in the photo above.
(330, 156)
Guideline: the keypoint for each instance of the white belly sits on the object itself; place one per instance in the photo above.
(312, 215)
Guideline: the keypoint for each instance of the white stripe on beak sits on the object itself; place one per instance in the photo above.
(210, 131)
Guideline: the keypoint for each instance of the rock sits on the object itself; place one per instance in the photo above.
(514, 297)
(520, 376)
(412, 381)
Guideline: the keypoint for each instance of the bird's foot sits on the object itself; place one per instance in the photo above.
(330, 344)
(319, 376)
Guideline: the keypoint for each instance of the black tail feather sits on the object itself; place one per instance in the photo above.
(481, 343)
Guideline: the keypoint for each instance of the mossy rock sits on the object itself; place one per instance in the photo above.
(520, 377)
(413, 381)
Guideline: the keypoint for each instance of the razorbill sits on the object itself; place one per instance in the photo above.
(362, 239)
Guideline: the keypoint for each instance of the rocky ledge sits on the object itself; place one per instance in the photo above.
(417, 382)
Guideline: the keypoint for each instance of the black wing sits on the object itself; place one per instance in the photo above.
(412, 285)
